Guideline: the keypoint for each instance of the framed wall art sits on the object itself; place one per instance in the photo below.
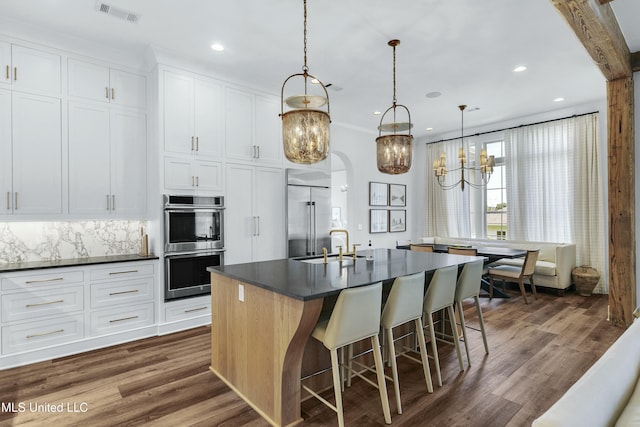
(378, 194)
(397, 220)
(378, 221)
(397, 195)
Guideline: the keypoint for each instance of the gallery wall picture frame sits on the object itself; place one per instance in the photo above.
(397, 195)
(397, 220)
(378, 221)
(378, 193)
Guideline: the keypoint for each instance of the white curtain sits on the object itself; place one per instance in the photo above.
(447, 212)
(554, 186)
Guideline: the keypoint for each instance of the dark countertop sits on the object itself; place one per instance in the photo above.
(72, 262)
(304, 281)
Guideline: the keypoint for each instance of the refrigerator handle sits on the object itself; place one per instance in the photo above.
(309, 224)
(315, 230)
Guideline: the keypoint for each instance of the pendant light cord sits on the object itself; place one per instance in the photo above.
(305, 68)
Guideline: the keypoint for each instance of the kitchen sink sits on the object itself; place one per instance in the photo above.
(333, 258)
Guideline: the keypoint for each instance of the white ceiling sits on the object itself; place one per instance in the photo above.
(465, 49)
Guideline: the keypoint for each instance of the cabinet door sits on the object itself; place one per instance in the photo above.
(268, 130)
(177, 174)
(239, 125)
(128, 162)
(5, 153)
(208, 176)
(269, 208)
(208, 120)
(37, 154)
(178, 113)
(128, 89)
(240, 222)
(87, 80)
(34, 70)
(89, 163)
(5, 63)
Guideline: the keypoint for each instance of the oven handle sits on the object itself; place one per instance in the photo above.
(174, 255)
(192, 209)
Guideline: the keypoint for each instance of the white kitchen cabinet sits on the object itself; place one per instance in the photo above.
(107, 160)
(192, 114)
(100, 83)
(31, 70)
(254, 215)
(192, 175)
(252, 128)
(32, 183)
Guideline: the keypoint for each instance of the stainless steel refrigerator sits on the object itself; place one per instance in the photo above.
(308, 212)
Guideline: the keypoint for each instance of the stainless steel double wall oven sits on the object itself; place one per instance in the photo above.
(193, 241)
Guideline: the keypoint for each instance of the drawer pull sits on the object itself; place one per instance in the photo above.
(31, 282)
(44, 303)
(123, 272)
(123, 319)
(195, 309)
(124, 292)
(59, 331)
(8, 72)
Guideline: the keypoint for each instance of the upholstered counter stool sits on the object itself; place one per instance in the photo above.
(404, 305)
(440, 295)
(355, 317)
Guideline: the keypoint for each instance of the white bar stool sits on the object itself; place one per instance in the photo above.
(440, 295)
(468, 286)
(404, 304)
(356, 316)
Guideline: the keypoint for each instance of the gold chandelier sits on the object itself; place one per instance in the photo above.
(394, 150)
(485, 169)
(305, 128)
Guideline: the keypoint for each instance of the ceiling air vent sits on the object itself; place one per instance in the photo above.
(117, 12)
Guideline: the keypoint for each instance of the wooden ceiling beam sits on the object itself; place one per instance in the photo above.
(605, 1)
(597, 28)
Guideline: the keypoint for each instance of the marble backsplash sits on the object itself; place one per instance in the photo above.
(49, 241)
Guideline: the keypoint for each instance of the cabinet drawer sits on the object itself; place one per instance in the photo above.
(53, 277)
(27, 305)
(121, 318)
(42, 333)
(122, 271)
(182, 311)
(122, 292)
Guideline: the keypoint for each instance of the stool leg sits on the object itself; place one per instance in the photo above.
(337, 385)
(423, 356)
(394, 367)
(464, 332)
(490, 287)
(434, 348)
(349, 364)
(456, 339)
(382, 386)
(481, 320)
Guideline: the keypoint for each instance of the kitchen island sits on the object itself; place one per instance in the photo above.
(263, 314)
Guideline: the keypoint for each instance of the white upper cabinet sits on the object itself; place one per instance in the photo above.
(100, 83)
(31, 70)
(192, 175)
(192, 114)
(252, 128)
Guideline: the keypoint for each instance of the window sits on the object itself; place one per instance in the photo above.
(496, 195)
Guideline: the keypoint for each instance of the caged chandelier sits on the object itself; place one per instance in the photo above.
(485, 170)
(305, 127)
(394, 150)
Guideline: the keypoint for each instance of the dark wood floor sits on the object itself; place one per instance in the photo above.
(536, 352)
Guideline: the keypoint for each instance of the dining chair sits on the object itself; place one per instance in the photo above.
(355, 317)
(512, 273)
(468, 286)
(404, 305)
(462, 251)
(421, 248)
(440, 295)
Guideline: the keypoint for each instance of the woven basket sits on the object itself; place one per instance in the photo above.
(585, 278)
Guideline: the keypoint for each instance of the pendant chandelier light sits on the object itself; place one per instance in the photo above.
(485, 170)
(305, 128)
(394, 150)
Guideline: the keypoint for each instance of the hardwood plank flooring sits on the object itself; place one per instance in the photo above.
(537, 352)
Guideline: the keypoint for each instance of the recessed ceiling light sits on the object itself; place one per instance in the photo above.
(519, 69)
(560, 99)
(376, 113)
(429, 129)
(433, 94)
(217, 47)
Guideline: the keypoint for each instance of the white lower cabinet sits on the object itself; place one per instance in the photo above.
(55, 312)
(187, 309)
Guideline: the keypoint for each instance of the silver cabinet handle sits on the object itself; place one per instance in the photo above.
(193, 181)
(197, 181)
(44, 303)
(195, 309)
(32, 282)
(15, 202)
(197, 143)
(108, 203)
(113, 202)
(258, 147)
(8, 73)
(113, 273)
(59, 331)
(15, 73)
(133, 291)
(8, 200)
(193, 143)
(106, 92)
(123, 319)
(113, 93)
(258, 219)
